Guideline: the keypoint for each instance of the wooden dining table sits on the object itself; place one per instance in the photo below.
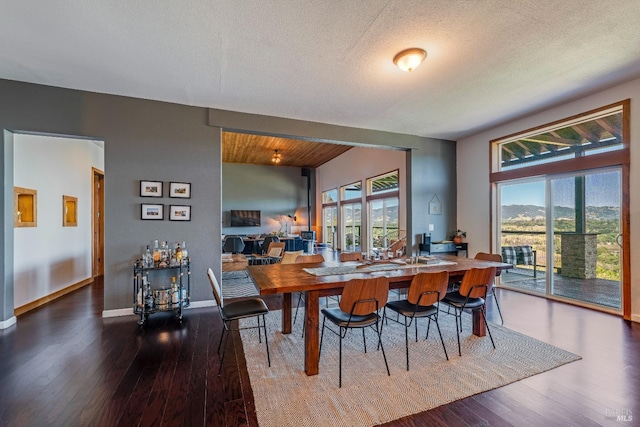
(286, 279)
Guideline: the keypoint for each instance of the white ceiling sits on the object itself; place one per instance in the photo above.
(330, 61)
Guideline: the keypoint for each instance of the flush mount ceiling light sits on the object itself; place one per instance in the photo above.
(410, 59)
(277, 157)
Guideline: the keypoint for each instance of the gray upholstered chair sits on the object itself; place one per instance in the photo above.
(233, 244)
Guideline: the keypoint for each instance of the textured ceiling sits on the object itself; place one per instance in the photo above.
(330, 61)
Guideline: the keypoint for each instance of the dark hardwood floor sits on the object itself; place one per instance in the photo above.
(63, 365)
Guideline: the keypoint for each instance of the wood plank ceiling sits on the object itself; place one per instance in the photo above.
(260, 149)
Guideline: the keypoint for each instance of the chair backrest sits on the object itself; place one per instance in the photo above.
(267, 241)
(215, 287)
(490, 257)
(477, 276)
(290, 257)
(436, 281)
(307, 259)
(275, 249)
(308, 235)
(350, 256)
(376, 288)
(233, 244)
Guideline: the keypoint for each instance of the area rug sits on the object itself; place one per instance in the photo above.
(237, 284)
(285, 395)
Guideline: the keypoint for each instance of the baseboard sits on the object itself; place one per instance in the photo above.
(48, 298)
(635, 318)
(129, 311)
(7, 323)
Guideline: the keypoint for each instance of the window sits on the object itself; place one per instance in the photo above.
(329, 216)
(383, 211)
(586, 135)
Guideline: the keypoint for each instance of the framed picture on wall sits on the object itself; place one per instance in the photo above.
(150, 188)
(179, 213)
(180, 190)
(150, 211)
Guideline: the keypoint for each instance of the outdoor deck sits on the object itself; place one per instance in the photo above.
(602, 292)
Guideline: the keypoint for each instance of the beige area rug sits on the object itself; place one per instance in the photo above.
(286, 396)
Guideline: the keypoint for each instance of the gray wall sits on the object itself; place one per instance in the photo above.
(143, 140)
(273, 190)
(161, 141)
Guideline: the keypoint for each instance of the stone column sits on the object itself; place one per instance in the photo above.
(579, 255)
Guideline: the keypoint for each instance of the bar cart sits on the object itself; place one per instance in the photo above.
(173, 296)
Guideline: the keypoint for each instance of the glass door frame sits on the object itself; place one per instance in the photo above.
(550, 263)
(619, 158)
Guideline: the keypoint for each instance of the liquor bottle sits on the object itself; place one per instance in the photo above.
(179, 254)
(147, 258)
(175, 291)
(148, 300)
(164, 254)
(156, 254)
(185, 254)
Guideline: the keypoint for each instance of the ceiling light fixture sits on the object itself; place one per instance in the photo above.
(277, 157)
(409, 59)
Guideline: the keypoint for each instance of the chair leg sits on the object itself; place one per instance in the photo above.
(487, 324)
(406, 339)
(259, 331)
(429, 327)
(495, 298)
(224, 347)
(384, 356)
(364, 340)
(458, 331)
(324, 319)
(266, 340)
(340, 361)
(300, 299)
(441, 340)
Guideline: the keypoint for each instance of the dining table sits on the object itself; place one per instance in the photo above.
(317, 280)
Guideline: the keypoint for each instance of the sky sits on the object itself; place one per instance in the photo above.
(602, 189)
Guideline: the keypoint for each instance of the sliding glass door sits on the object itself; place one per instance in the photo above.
(563, 234)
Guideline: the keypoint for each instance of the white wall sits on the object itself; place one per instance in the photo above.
(473, 171)
(358, 164)
(50, 257)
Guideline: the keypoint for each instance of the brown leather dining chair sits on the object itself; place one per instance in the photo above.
(423, 300)
(475, 285)
(495, 258)
(360, 305)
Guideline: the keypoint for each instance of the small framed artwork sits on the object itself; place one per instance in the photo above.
(180, 190)
(435, 208)
(150, 211)
(179, 213)
(150, 188)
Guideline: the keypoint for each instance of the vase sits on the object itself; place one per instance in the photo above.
(457, 239)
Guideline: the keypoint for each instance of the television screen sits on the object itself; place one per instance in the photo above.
(245, 218)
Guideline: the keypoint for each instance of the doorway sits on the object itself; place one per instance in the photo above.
(566, 234)
(97, 222)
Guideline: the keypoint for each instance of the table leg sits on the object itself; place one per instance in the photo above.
(479, 326)
(311, 337)
(286, 313)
